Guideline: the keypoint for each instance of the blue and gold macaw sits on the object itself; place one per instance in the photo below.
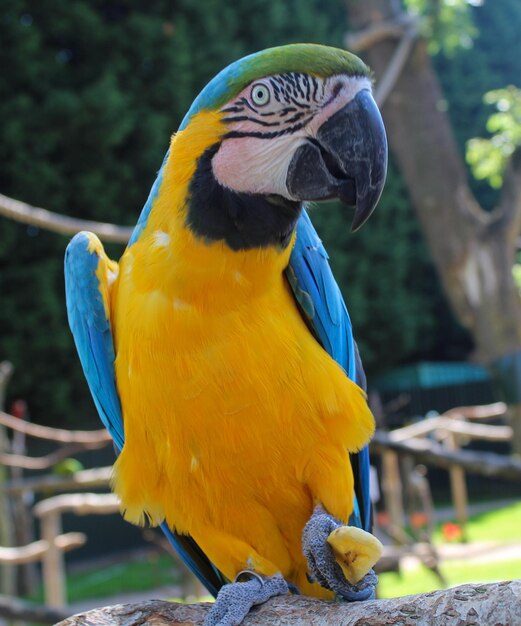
(219, 351)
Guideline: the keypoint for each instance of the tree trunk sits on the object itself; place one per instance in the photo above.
(474, 251)
(496, 603)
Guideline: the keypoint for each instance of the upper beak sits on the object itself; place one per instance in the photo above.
(347, 160)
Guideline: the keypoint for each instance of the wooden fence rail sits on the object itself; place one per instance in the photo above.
(487, 464)
(16, 514)
(37, 550)
(59, 435)
(84, 479)
(49, 512)
(437, 441)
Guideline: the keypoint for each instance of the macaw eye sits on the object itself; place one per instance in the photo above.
(260, 94)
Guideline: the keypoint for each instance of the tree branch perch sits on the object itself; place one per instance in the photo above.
(86, 479)
(63, 224)
(496, 603)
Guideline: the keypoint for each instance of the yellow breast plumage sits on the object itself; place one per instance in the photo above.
(237, 422)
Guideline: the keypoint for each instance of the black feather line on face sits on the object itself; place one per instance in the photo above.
(276, 90)
(244, 118)
(290, 78)
(299, 88)
(296, 117)
(288, 88)
(233, 109)
(308, 86)
(247, 103)
(297, 103)
(268, 135)
(243, 221)
(315, 88)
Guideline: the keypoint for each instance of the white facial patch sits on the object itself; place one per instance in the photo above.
(254, 165)
(269, 120)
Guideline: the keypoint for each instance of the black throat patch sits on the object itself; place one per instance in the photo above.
(244, 221)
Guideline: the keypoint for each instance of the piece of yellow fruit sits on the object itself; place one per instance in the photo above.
(356, 551)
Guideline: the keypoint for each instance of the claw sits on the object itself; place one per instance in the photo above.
(324, 562)
(235, 600)
(355, 550)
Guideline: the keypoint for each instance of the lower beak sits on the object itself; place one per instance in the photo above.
(347, 160)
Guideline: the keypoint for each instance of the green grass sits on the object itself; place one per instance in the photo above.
(420, 580)
(149, 572)
(501, 525)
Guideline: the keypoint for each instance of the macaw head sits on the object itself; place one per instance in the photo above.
(275, 129)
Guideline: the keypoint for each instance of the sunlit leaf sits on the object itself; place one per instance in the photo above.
(447, 24)
(488, 157)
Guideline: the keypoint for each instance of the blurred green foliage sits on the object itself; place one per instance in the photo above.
(141, 573)
(67, 467)
(488, 158)
(493, 62)
(447, 24)
(90, 92)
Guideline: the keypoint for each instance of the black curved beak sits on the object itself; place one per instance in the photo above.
(347, 160)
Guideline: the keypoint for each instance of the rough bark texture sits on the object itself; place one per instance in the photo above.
(495, 604)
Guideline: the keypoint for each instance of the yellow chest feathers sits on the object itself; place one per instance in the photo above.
(216, 369)
(220, 377)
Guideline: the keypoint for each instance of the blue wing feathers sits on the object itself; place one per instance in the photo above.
(309, 273)
(195, 559)
(93, 337)
(364, 487)
(91, 332)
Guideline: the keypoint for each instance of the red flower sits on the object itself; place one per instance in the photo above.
(383, 519)
(419, 519)
(452, 531)
(19, 409)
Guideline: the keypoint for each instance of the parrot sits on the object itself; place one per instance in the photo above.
(219, 351)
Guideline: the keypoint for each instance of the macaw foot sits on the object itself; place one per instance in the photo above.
(235, 600)
(340, 558)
